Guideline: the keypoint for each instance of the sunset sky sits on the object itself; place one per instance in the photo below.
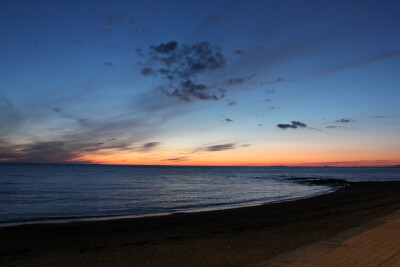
(257, 83)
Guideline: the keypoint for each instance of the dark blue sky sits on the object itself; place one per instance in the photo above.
(200, 82)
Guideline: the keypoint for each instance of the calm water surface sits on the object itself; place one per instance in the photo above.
(36, 192)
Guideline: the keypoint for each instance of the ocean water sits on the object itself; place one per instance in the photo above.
(31, 193)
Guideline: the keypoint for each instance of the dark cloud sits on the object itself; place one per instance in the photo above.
(299, 124)
(220, 147)
(345, 120)
(188, 91)
(165, 48)
(242, 80)
(178, 159)
(106, 30)
(148, 71)
(38, 152)
(270, 91)
(236, 81)
(334, 127)
(228, 120)
(182, 65)
(108, 63)
(267, 100)
(295, 125)
(378, 117)
(149, 146)
(232, 103)
(286, 126)
(278, 80)
(239, 52)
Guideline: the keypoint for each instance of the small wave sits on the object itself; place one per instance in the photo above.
(319, 181)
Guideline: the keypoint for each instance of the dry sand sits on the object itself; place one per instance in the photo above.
(235, 237)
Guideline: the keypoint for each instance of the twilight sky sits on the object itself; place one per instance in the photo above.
(200, 82)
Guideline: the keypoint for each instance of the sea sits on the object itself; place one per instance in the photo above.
(43, 193)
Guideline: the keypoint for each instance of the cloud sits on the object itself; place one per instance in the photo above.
(228, 120)
(38, 152)
(362, 62)
(181, 66)
(232, 103)
(293, 125)
(220, 147)
(334, 127)
(239, 52)
(148, 72)
(299, 124)
(188, 91)
(178, 159)
(165, 48)
(108, 63)
(286, 126)
(149, 146)
(236, 81)
(345, 120)
(378, 117)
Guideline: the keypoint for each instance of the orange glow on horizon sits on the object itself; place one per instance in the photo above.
(238, 158)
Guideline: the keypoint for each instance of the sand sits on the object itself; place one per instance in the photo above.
(234, 237)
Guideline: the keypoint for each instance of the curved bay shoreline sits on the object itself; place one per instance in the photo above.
(234, 237)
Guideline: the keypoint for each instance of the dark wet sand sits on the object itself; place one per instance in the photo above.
(234, 237)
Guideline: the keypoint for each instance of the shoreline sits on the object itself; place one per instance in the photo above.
(234, 237)
(64, 220)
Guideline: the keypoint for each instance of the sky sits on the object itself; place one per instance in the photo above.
(232, 83)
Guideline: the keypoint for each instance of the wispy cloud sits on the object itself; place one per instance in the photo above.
(362, 62)
(345, 120)
(221, 147)
(334, 127)
(232, 103)
(149, 146)
(178, 159)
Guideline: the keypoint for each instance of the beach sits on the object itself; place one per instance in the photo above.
(231, 237)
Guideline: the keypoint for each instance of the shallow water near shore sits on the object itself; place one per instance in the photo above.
(42, 192)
